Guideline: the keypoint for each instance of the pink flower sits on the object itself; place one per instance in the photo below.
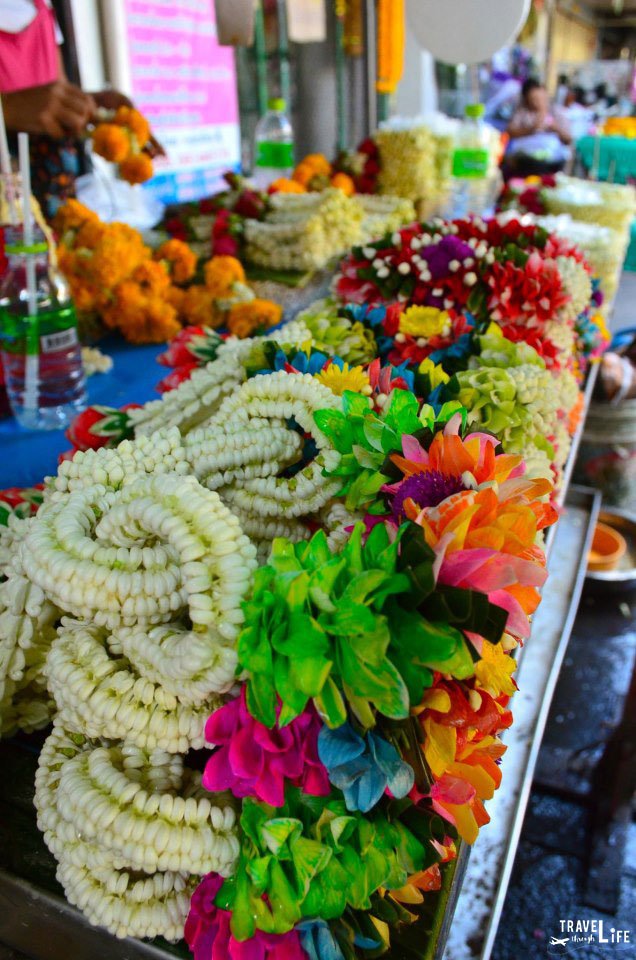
(254, 761)
(207, 932)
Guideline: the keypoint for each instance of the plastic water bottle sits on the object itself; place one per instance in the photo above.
(274, 145)
(470, 163)
(41, 355)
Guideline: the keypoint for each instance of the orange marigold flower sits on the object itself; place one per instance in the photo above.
(319, 164)
(71, 215)
(284, 185)
(175, 297)
(90, 234)
(221, 273)
(256, 314)
(111, 142)
(342, 181)
(182, 262)
(152, 277)
(198, 308)
(304, 174)
(136, 169)
(135, 122)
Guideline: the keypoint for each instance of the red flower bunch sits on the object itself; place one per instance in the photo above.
(99, 426)
(531, 294)
(191, 348)
(367, 180)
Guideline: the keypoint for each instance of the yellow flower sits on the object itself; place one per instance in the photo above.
(111, 142)
(426, 322)
(349, 378)
(434, 371)
(221, 273)
(494, 670)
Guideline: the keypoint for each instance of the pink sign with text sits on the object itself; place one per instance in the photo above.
(185, 83)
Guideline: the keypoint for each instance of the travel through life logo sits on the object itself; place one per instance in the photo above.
(577, 933)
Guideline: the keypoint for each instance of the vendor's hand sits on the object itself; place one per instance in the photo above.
(58, 109)
(111, 100)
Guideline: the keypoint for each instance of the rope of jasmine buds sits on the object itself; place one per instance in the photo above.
(272, 399)
(190, 664)
(195, 400)
(219, 457)
(113, 468)
(132, 791)
(100, 694)
(91, 555)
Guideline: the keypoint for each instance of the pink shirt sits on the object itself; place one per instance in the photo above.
(30, 58)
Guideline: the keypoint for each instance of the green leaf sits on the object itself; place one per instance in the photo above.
(330, 705)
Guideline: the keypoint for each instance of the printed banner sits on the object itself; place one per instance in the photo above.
(185, 83)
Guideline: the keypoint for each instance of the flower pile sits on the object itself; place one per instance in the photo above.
(122, 137)
(312, 558)
(145, 295)
(314, 173)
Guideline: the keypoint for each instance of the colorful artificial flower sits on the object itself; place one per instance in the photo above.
(364, 768)
(192, 345)
(254, 761)
(425, 322)
(341, 378)
(208, 935)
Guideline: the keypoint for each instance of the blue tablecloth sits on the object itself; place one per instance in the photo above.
(26, 457)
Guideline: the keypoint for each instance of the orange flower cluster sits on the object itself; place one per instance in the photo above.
(224, 299)
(312, 174)
(112, 273)
(122, 140)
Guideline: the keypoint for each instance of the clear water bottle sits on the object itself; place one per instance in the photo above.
(470, 163)
(41, 355)
(274, 145)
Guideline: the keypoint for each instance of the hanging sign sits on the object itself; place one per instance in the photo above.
(306, 21)
(235, 22)
(185, 83)
(466, 31)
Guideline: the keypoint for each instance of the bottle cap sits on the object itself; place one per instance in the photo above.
(475, 110)
(277, 103)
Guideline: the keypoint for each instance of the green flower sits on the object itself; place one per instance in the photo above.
(343, 629)
(337, 335)
(364, 439)
(313, 858)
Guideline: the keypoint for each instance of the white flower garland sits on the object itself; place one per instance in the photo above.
(142, 554)
(102, 695)
(108, 811)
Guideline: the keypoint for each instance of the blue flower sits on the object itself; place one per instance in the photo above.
(319, 942)
(363, 770)
(370, 316)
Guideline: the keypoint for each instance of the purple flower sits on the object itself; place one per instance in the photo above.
(254, 761)
(207, 932)
(439, 255)
(425, 489)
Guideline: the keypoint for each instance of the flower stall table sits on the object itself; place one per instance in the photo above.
(26, 457)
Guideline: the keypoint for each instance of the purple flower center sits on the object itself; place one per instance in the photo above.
(426, 490)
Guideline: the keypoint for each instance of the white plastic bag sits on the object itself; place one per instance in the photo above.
(115, 200)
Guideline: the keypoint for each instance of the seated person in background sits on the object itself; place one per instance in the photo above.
(539, 136)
